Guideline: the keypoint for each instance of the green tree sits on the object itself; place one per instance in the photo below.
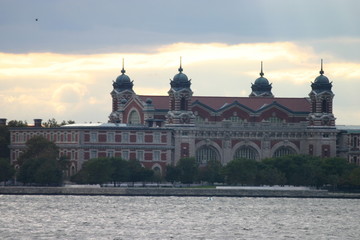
(336, 171)
(172, 173)
(188, 170)
(6, 170)
(241, 171)
(4, 142)
(212, 172)
(267, 175)
(16, 123)
(40, 164)
(354, 177)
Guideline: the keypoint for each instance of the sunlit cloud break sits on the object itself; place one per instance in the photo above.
(77, 87)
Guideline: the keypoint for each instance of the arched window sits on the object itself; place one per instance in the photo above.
(205, 154)
(134, 117)
(183, 104)
(324, 106)
(283, 151)
(246, 152)
(157, 171)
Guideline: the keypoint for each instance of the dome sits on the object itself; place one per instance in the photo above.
(123, 78)
(180, 77)
(322, 79)
(180, 80)
(321, 83)
(261, 81)
(261, 86)
(123, 82)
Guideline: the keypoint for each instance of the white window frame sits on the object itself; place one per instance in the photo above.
(110, 137)
(157, 137)
(125, 137)
(156, 155)
(140, 155)
(125, 154)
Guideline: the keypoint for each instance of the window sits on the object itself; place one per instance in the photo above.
(246, 152)
(324, 106)
(140, 137)
(110, 137)
(93, 153)
(235, 119)
(183, 104)
(93, 137)
(275, 120)
(125, 137)
(134, 117)
(125, 154)
(205, 154)
(283, 151)
(157, 137)
(110, 153)
(140, 155)
(156, 155)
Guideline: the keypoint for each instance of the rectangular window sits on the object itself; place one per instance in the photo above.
(140, 137)
(93, 153)
(125, 137)
(110, 137)
(125, 154)
(156, 155)
(93, 137)
(156, 137)
(140, 155)
(110, 153)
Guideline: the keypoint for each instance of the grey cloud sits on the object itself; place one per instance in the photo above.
(92, 26)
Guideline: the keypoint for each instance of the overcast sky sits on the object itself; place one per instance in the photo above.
(63, 64)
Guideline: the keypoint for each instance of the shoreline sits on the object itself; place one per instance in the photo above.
(179, 192)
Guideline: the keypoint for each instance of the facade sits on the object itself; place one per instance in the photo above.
(159, 130)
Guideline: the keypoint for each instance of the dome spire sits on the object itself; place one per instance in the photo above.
(180, 68)
(123, 69)
(261, 73)
(321, 71)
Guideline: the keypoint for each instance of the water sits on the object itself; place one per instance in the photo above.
(104, 217)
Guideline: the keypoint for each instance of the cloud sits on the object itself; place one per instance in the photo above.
(77, 86)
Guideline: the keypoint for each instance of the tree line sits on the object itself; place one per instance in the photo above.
(40, 164)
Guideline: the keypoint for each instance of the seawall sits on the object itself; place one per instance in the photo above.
(207, 192)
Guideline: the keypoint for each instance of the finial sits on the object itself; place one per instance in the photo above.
(261, 73)
(123, 70)
(321, 71)
(180, 68)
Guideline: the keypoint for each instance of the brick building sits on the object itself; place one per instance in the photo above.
(159, 130)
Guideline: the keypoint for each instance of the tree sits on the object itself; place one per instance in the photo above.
(15, 123)
(105, 170)
(241, 171)
(6, 170)
(51, 123)
(4, 142)
(39, 164)
(188, 170)
(211, 173)
(172, 173)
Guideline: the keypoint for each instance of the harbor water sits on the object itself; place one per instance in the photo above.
(120, 217)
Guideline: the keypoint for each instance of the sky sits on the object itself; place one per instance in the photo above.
(62, 66)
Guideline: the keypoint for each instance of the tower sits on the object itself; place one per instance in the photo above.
(121, 93)
(321, 98)
(180, 100)
(261, 86)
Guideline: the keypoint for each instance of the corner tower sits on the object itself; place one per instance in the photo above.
(180, 100)
(261, 86)
(121, 93)
(321, 98)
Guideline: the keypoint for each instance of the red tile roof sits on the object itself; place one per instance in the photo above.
(254, 103)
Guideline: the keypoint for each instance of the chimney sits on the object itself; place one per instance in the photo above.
(37, 122)
(2, 121)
